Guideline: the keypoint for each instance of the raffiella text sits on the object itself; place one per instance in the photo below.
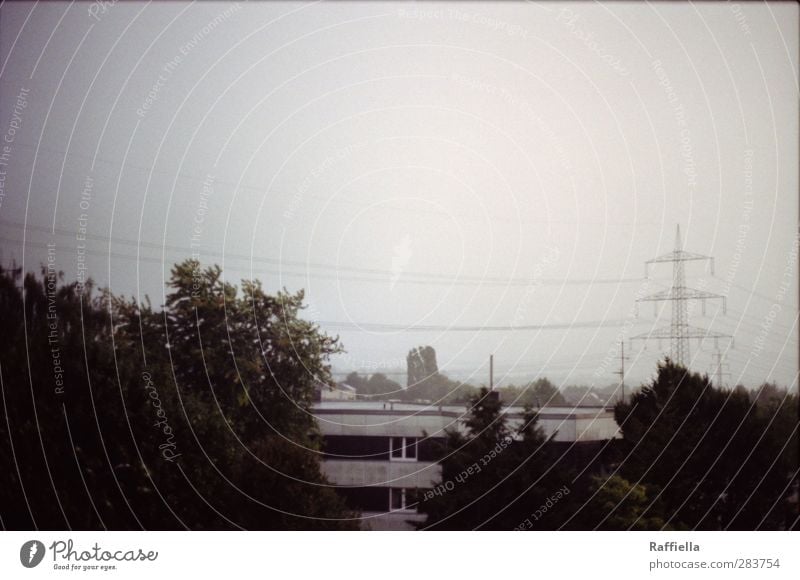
(674, 547)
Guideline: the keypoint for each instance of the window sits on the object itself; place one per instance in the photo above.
(402, 499)
(403, 448)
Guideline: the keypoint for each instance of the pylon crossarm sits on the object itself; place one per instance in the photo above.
(682, 293)
(693, 294)
(701, 333)
(655, 297)
(666, 332)
(678, 256)
(662, 332)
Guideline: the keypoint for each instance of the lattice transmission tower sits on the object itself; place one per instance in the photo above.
(720, 368)
(680, 332)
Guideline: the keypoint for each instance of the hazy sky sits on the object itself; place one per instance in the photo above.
(430, 174)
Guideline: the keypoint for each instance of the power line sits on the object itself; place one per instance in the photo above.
(750, 291)
(376, 274)
(379, 326)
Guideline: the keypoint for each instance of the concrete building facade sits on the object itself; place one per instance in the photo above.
(380, 454)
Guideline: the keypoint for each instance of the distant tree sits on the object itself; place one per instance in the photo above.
(382, 386)
(538, 393)
(591, 396)
(356, 381)
(377, 387)
(769, 395)
(460, 393)
(421, 363)
(425, 382)
(719, 461)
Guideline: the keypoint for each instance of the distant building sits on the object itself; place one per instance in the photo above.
(380, 454)
(338, 392)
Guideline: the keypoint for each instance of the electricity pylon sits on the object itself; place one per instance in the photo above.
(719, 368)
(679, 332)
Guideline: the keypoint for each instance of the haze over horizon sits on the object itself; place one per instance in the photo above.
(481, 178)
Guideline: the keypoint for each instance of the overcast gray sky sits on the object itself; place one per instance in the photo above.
(430, 174)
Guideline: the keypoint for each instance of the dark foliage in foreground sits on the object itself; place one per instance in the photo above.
(691, 456)
(719, 459)
(119, 416)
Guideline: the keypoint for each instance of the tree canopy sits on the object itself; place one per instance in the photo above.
(691, 456)
(195, 415)
(718, 459)
(494, 476)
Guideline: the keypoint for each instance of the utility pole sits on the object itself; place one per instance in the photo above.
(621, 371)
(679, 332)
(491, 372)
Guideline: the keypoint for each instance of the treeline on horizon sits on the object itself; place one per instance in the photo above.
(426, 384)
(437, 388)
(195, 415)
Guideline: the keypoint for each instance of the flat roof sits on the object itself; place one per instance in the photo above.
(388, 408)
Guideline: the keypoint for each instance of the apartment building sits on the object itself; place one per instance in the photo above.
(380, 454)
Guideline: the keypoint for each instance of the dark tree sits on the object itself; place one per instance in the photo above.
(496, 478)
(719, 461)
(193, 416)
